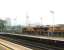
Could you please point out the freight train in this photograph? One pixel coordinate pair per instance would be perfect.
(41, 30)
(35, 30)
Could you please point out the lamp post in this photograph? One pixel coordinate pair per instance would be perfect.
(27, 20)
(40, 24)
(52, 12)
(41, 20)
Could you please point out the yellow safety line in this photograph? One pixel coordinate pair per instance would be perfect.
(7, 48)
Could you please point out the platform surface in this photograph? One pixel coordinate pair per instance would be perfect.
(12, 45)
(42, 37)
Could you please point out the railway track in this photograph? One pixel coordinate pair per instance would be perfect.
(29, 43)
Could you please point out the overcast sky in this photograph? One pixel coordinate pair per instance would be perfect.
(17, 10)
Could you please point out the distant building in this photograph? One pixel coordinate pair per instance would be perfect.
(8, 21)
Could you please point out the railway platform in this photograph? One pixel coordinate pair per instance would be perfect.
(42, 37)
